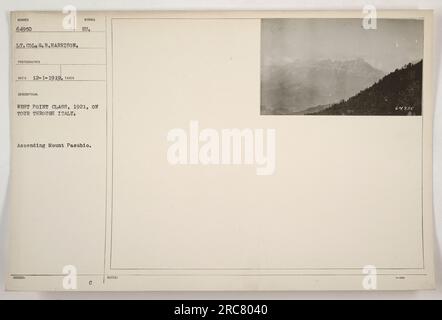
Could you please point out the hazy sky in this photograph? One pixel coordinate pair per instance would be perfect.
(393, 44)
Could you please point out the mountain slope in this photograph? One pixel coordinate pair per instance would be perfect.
(298, 85)
(398, 93)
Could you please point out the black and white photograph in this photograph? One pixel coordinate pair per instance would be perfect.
(338, 67)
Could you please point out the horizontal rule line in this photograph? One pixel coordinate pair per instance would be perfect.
(221, 275)
(60, 48)
(48, 31)
(60, 80)
(60, 64)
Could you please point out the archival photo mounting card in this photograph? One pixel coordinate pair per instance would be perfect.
(221, 151)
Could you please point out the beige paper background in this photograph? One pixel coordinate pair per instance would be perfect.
(249, 226)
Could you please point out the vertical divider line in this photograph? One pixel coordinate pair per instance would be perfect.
(106, 158)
